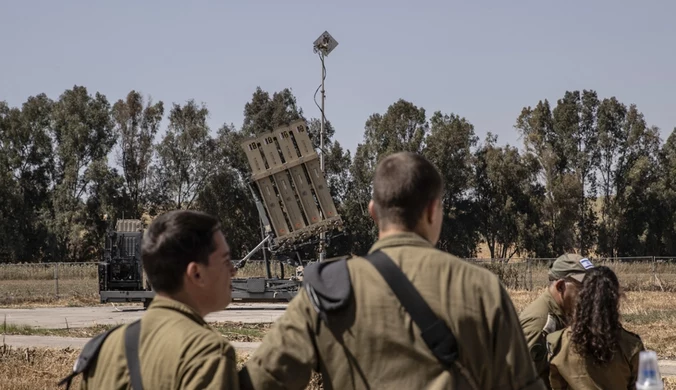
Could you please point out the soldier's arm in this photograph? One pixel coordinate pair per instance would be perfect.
(512, 365)
(210, 367)
(287, 357)
(535, 341)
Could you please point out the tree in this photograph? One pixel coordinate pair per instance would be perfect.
(612, 149)
(185, 156)
(228, 196)
(135, 129)
(448, 146)
(360, 231)
(83, 131)
(667, 188)
(560, 210)
(637, 179)
(403, 127)
(505, 186)
(263, 114)
(629, 170)
(577, 142)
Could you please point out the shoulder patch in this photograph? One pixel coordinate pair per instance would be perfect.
(551, 325)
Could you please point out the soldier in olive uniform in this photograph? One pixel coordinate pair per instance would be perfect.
(595, 351)
(552, 309)
(361, 337)
(187, 261)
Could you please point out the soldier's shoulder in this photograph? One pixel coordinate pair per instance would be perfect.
(630, 344)
(536, 310)
(632, 341)
(203, 341)
(629, 335)
(474, 270)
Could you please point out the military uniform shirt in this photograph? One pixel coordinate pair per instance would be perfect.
(177, 350)
(569, 370)
(542, 317)
(374, 344)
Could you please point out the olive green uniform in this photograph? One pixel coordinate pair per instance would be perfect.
(373, 342)
(542, 317)
(177, 350)
(570, 371)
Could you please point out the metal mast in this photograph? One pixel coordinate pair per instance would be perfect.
(323, 46)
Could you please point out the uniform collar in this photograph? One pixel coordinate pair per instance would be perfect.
(400, 239)
(160, 302)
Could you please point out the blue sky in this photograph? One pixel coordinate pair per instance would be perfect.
(481, 60)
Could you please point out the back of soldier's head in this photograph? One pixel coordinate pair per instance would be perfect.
(404, 185)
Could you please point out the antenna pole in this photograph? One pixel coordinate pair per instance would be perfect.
(322, 235)
(323, 45)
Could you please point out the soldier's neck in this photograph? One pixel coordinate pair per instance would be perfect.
(391, 230)
(185, 299)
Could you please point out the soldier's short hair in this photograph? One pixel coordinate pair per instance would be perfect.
(174, 240)
(404, 184)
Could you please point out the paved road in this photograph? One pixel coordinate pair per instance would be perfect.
(667, 367)
(79, 317)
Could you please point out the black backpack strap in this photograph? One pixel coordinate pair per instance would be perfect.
(88, 354)
(438, 337)
(131, 342)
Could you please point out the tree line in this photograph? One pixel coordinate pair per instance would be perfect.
(591, 176)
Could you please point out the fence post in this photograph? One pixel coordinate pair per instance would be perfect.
(56, 278)
(530, 274)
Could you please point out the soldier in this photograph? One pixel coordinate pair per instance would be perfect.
(552, 309)
(595, 351)
(187, 261)
(351, 324)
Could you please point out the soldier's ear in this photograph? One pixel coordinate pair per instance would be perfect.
(372, 211)
(193, 273)
(432, 210)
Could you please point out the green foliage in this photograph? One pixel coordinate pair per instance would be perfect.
(135, 128)
(593, 177)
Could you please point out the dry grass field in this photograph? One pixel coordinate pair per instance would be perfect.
(32, 285)
(35, 284)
